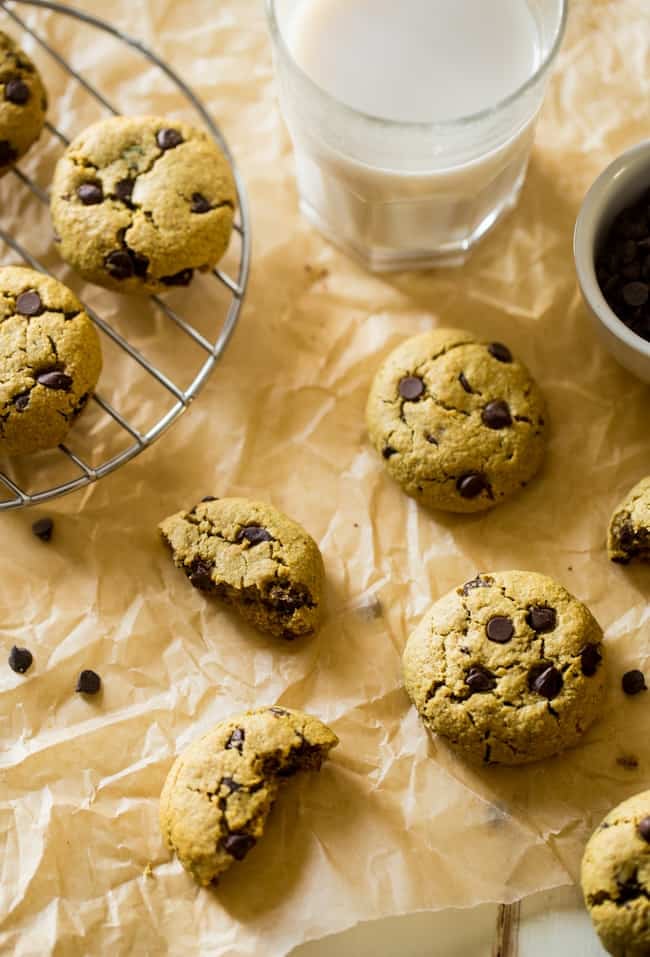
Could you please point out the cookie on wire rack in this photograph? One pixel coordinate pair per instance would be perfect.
(23, 103)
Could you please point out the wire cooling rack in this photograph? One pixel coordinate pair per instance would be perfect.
(139, 439)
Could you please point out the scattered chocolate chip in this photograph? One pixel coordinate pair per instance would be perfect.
(542, 619)
(465, 384)
(200, 204)
(17, 92)
(29, 303)
(21, 401)
(500, 352)
(209, 498)
(124, 189)
(88, 682)
(43, 529)
(20, 660)
(633, 682)
(119, 264)
(471, 484)
(200, 575)
(236, 740)
(7, 153)
(644, 825)
(254, 534)
(411, 388)
(388, 452)
(90, 194)
(500, 629)
(168, 138)
(480, 680)
(182, 278)
(496, 415)
(238, 845)
(590, 658)
(54, 379)
(477, 582)
(545, 680)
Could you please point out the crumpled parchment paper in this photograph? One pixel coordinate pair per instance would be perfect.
(393, 823)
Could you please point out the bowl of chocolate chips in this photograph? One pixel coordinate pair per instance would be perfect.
(612, 253)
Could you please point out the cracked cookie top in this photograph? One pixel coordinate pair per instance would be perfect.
(616, 878)
(219, 792)
(508, 668)
(459, 423)
(253, 556)
(629, 527)
(140, 202)
(50, 360)
(23, 103)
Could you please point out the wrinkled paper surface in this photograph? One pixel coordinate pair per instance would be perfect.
(393, 823)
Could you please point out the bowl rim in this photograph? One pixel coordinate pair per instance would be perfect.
(594, 206)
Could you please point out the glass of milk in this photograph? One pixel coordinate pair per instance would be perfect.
(412, 120)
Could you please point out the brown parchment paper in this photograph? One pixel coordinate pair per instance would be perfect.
(393, 823)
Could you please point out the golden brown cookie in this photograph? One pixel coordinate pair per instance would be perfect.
(23, 103)
(628, 536)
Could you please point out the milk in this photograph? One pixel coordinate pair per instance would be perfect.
(412, 120)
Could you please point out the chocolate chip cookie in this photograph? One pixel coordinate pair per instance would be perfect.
(616, 878)
(23, 103)
(218, 794)
(50, 360)
(508, 668)
(629, 528)
(252, 556)
(141, 202)
(459, 423)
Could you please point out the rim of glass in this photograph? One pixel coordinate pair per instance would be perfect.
(422, 125)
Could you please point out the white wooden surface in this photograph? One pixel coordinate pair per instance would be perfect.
(553, 923)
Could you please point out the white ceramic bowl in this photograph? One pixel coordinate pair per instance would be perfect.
(620, 185)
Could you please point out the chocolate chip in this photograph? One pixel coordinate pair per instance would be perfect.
(465, 384)
(411, 387)
(471, 484)
(7, 153)
(182, 278)
(168, 138)
(119, 264)
(231, 784)
(254, 534)
(500, 352)
(590, 658)
(635, 293)
(388, 452)
(200, 575)
(29, 304)
(21, 401)
(124, 189)
(209, 498)
(90, 194)
(477, 582)
(200, 204)
(43, 529)
(140, 263)
(480, 680)
(236, 740)
(88, 682)
(54, 379)
(542, 619)
(279, 711)
(500, 629)
(629, 889)
(644, 825)
(545, 680)
(238, 845)
(431, 439)
(633, 682)
(496, 415)
(20, 660)
(17, 92)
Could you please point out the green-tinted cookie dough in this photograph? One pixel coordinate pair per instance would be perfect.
(23, 103)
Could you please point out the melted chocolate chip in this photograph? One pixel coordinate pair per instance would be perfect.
(43, 529)
(254, 534)
(200, 204)
(124, 189)
(17, 92)
(55, 379)
(168, 138)
(182, 278)
(21, 401)
(471, 484)
(411, 388)
(496, 415)
(7, 153)
(140, 263)
(500, 352)
(90, 194)
(590, 658)
(500, 629)
(480, 680)
(238, 845)
(200, 575)
(465, 384)
(29, 304)
(236, 740)
(633, 682)
(542, 619)
(20, 660)
(388, 452)
(119, 264)
(644, 826)
(88, 682)
(545, 680)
